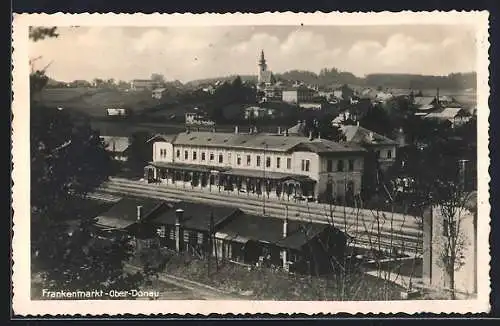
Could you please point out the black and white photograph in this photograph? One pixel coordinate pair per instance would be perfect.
(326, 161)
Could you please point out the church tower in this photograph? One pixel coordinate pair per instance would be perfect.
(262, 66)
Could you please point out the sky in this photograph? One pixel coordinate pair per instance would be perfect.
(189, 53)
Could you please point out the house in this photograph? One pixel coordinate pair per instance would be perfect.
(186, 226)
(158, 93)
(384, 147)
(298, 246)
(437, 232)
(255, 112)
(454, 116)
(277, 165)
(311, 105)
(117, 147)
(142, 84)
(198, 119)
(298, 94)
(117, 112)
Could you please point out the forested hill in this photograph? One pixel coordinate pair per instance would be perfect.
(333, 77)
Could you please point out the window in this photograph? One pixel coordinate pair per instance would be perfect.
(161, 231)
(238, 160)
(200, 238)
(229, 158)
(178, 153)
(268, 162)
(211, 156)
(340, 165)
(194, 155)
(203, 156)
(288, 163)
(351, 165)
(389, 154)
(186, 155)
(307, 165)
(303, 165)
(278, 162)
(186, 236)
(377, 154)
(249, 160)
(258, 160)
(221, 158)
(329, 166)
(172, 234)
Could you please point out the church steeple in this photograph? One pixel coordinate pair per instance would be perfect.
(262, 61)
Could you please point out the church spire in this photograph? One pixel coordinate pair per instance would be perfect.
(262, 61)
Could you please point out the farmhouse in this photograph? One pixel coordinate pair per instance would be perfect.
(277, 165)
(117, 146)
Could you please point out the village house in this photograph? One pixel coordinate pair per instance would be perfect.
(436, 231)
(117, 112)
(198, 118)
(256, 112)
(297, 246)
(142, 84)
(257, 164)
(117, 147)
(453, 116)
(158, 93)
(384, 147)
(298, 94)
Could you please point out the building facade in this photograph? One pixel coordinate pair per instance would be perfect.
(278, 166)
(142, 84)
(298, 95)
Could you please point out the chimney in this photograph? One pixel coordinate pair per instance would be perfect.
(357, 123)
(285, 227)
(178, 220)
(250, 130)
(255, 130)
(319, 135)
(236, 129)
(279, 130)
(371, 135)
(139, 213)
(310, 135)
(286, 132)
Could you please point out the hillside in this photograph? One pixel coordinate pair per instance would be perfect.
(94, 101)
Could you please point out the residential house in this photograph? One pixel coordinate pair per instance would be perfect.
(437, 232)
(142, 84)
(298, 94)
(454, 116)
(158, 93)
(297, 246)
(255, 112)
(117, 147)
(311, 105)
(384, 147)
(277, 165)
(198, 118)
(117, 112)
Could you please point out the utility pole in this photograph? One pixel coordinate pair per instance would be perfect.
(212, 235)
(265, 183)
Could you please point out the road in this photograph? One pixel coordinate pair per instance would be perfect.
(368, 228)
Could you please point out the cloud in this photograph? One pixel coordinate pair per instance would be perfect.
(188, 53)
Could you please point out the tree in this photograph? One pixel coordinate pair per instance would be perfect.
(323, 128)
(158, 79)
(68, 160)
(377, 120)
(139, 152)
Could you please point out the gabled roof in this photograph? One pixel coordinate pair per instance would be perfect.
(269, 229)
(162, 137)
(360, 135)
(447, 113)
(196, 215)
(124, 213)
(323, 146)
(116, 144)
(423, 100)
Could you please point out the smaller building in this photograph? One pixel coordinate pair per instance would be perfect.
(454, 116)
(120, 112)
(198, 119)
(384, 147)
(298, 94)
(158, 93)
(142, 84)
(298, 246)
(255, 112)
(311, 105)
(117, 147)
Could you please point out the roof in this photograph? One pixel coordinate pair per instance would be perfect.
(298, 129)
(124, 213)
(423, 100)
(159, 90)
(196, 215)
(447, 113)
(162, 137)
(116, 144)
(260, 141)
(245, 227)
(361, 135)
(189, 167)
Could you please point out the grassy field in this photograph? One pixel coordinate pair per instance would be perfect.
(94, 102)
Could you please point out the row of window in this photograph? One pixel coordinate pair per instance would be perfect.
(161, 231)
(220, 159)
(340, 165)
